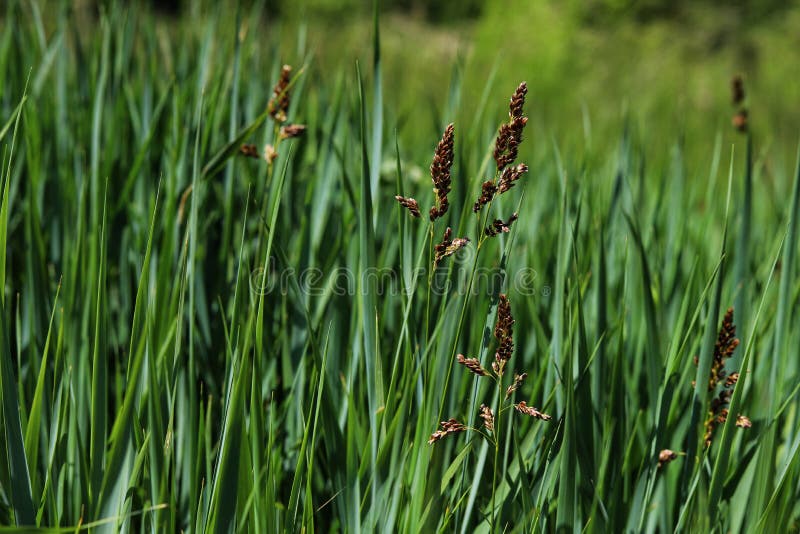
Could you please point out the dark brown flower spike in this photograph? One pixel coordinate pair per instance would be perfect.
(488, 189)
(522, 407)
(440, 173)
(410, 204)
(472, 364)
(487, 414)
(448, 246)
(292, 130)
(250, 151)
(279, 103)
(509, 176)
(723, 349)
(510, 134)
(498, 226)
(518, 101)
(504, 333)
(518, 380)
(450, 426)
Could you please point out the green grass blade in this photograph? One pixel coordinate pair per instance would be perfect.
(367, 303)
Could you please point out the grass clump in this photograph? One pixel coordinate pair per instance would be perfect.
(216, 317)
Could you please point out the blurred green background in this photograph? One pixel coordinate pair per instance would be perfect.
(666, 62)
(591, 64)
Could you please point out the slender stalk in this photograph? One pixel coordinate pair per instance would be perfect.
(431, 271)
(483, 219)
(496, 450)
(460, 327)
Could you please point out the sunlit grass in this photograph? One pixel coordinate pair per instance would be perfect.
(193, 339)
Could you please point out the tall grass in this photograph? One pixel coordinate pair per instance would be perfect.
(195, 340)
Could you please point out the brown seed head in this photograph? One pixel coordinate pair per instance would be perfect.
(410, 204)
(279, 103)
(249, 150)
(518, 380)
(522, 407)
(488, 189)
(292, 130)
(498, 365)
(499, 226)
(509, 176)
(472, 364)
(518, 101)
(510, 134)
(440, 173)
(451, 426)
(723, 349)
(506, 147)
(665, 457)
(743, 421)
(504, 333)
(448, 246)
(487, 414)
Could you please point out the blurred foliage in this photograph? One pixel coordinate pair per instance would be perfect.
(673, 72)
(442, 11)
(648, 10)
(591, 64)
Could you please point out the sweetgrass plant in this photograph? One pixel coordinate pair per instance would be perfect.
(216, 317)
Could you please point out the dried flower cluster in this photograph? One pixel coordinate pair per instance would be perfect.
(509, 176)
(499, 226)
(742, 421)
(510, 135)
(292, 130)
(488, 190)
(278, 105)
(505, 153)
(487, 414)
(738, 99)
(522, 407)
(518, 380)
(506, 149)
(665, 457)
(504, 333)
(249, 151)
(451, 426)
(506, 175)
(473, 365)
(440, 173)
(410, 204)
(448, 246)
(719, 379)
